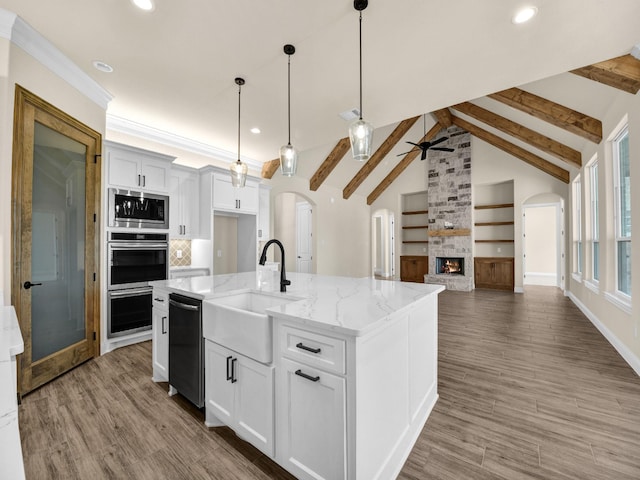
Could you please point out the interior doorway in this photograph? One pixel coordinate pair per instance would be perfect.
(382, 244)
(543, 244)
(55, 239)
(293, 224)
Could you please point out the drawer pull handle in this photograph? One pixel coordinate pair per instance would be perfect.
(159, 300)
(308, 377)
(229, 375)
(233, 370)
(164, 330)
(302, 346)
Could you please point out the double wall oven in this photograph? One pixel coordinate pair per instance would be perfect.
(135, 257)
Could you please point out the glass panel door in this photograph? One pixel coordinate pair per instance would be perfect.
(57, 249)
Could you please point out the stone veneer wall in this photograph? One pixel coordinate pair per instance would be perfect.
(449, 198)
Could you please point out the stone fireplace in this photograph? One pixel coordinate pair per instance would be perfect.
(451, 213)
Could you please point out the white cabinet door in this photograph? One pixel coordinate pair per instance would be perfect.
(239, 393)
(264, 212)
(224, 193)
(160, 344)
(254, 415)
(155, 174)
(218, 389)
(248, 197)
(184, 208)
(190, 205)
(123, 169)
(312, 428)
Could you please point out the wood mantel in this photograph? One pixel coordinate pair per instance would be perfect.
(451, 232)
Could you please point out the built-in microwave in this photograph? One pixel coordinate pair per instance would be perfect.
(131, 209)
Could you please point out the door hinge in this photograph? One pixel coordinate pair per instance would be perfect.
(94, 218)
(94, 276)
(95, 157)
(94, 335)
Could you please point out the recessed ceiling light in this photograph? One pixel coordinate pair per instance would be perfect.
(146, 5)
(255, 130)
(103, 67)
(524, 15)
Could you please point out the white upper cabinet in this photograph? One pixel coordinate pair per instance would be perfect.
(264, 212)
(184, 205)
(134, 168)
(227, 197)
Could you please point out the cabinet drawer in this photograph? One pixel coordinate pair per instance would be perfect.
(313, 349)
(161, 299)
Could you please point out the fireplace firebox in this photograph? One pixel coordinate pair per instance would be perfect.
(449, 265)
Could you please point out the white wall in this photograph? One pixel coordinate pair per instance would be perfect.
(16, 66)
(621, 327)
(540, 245)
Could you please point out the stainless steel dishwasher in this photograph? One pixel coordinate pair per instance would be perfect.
(186, 352)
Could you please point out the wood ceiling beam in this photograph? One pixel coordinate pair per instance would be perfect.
(270, 167)
(391, 141)
(510, 148)
(329, 163)
(404, 163)
(533, 138)
(551, 112)
(622, 73)
(443, 117)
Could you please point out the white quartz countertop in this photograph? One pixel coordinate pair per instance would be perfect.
(353, 306)
(11, 344)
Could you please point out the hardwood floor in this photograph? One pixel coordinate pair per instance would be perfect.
(529, 389)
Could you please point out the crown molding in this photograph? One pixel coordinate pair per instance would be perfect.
(145, 132)
(21, 34)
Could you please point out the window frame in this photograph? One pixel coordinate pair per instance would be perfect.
(618, 214)
(577, 228)
(594, 213)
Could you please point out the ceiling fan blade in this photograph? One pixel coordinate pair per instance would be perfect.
(439, 140)
(424, 154)
(416, 144)
(400, 154)
(443, 149)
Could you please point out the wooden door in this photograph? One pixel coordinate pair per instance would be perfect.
(55, 239)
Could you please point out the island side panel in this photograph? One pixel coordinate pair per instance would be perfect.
(396, 389)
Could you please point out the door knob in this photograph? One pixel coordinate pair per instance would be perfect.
(27, 285)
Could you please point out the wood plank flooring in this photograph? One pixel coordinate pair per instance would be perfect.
(529, 389)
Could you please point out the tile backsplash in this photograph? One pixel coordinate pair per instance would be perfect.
(182, 246)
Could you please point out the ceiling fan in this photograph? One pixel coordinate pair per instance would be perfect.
(424, 146)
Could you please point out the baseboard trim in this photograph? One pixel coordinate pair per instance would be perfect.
(621, 348)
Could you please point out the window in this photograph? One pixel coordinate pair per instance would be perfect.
(577, 226)
(622, 189)
(595, 222)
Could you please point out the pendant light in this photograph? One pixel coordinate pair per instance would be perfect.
(288, 154)
(361, 132)
(238, 169)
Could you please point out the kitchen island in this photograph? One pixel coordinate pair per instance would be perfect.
(347, 383)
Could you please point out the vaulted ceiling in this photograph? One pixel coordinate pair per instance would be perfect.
(456, 61)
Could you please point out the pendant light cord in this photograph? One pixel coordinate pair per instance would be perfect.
(360, 64)
(289, 97)
(239, 90)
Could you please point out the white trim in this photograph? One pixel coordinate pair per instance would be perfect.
(28, 39)
(592, 285)
(145, 132)
(518, 289)
(577, 277)
(541, 278)
(619, 301)
(623, 350)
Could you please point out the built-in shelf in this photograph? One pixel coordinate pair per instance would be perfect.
(494, 241)
(415, 212)
(492, 224)
(410, 227)
(451, 232)
(495, 205)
